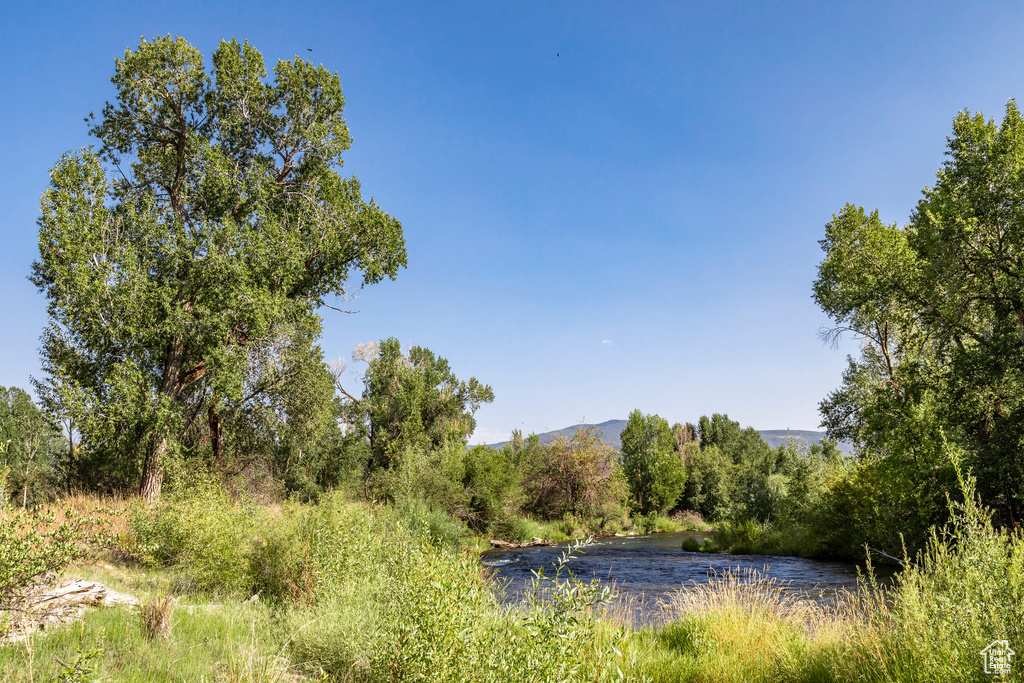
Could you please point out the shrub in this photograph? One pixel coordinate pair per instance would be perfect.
(34, 543)
(688, 520)
(202, 533)
(741, 537)
(424, 521)
(646, 524)
(710, 546)
(691, 545)
(515, 529)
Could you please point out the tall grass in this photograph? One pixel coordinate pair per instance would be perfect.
(743, 626)
(963, 592)
(390, 604)
(350, 592)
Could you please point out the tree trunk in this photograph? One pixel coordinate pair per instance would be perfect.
(216, 435)
(152, 469)
(72, 471)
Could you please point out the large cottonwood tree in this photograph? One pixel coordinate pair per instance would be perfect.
(939, 306)
(210, 221)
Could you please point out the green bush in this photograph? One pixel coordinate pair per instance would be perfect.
(515, 529)
(424, 521)
(691, 545)
(710, 546)
(742, 536)
(202, 533)
(34, 542)
(646, 524)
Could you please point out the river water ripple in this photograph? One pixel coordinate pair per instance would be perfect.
(648, 569)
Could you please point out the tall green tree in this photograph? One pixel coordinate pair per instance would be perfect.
(211, 220)
(742, 445)
(32, 453)
(413, 401)
(653, 468)
(939, 304)
(711, 484)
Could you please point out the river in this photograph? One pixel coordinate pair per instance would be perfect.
(648, 568)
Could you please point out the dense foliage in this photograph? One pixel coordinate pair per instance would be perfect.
(184, 260)
(34, 459)
(939, 306)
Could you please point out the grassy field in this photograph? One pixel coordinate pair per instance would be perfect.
(353, 592)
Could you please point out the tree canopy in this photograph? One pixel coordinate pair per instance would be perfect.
(652, 467)
(412, 401)
(184, 259)
(939, 305)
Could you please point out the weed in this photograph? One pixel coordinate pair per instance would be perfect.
(156, 616)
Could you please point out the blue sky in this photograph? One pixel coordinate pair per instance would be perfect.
(607, 206)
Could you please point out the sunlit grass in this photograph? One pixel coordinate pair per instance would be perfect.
(354, 592)
(202, 645)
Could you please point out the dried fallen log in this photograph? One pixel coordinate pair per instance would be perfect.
(44, 606)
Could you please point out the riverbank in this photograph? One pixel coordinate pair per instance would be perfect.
(355, 592)
(646, 571)
(569, 528)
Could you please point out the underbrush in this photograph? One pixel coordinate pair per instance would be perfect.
(353, 592)
(392, 604)
(750, 537)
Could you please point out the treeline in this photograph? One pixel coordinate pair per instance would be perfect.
(403, 439)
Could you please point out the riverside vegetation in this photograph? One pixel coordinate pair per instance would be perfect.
(361, 592)
(278, 526)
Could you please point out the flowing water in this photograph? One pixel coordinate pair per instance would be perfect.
(648, 568)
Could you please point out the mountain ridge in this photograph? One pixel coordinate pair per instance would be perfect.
(609, 432)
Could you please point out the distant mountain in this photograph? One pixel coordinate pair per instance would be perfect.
(777, 437)
(609, 432)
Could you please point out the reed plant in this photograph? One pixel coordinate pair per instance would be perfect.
(156, 616)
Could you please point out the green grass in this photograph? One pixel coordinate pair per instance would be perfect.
(206, 644)
(353, 592)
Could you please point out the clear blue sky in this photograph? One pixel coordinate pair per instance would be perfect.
(607, 206)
